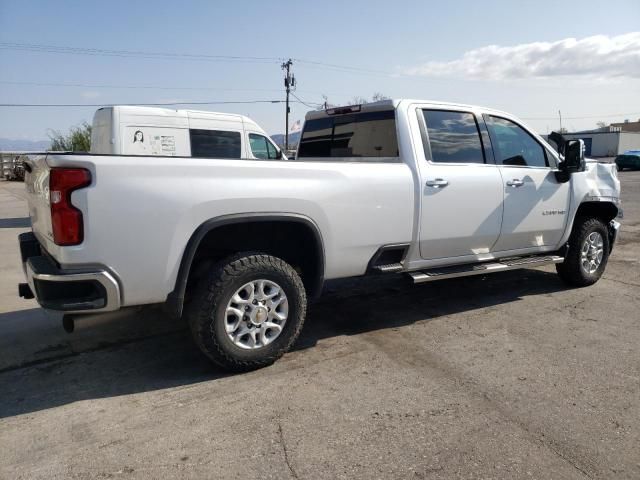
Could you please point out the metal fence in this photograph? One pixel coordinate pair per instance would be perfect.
(12, 165)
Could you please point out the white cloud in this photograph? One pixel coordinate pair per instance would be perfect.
(597, 57)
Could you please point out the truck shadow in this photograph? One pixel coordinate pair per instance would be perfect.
(160, 354)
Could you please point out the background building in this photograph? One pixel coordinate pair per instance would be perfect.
(609, 141)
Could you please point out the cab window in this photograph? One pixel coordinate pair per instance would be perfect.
(214, 144)
(513, 145)
(453, 137)
(262, 148)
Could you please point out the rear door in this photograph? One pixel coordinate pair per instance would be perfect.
(535, 203)
(461, 207)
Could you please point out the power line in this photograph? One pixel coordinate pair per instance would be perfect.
(131, 53)
(156, 87)
(135, 87)
(240, 102)
(56, 49)
(584, 117)
(346, 68)
(305, 103)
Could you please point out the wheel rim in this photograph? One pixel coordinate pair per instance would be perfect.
(256, 314)
(592, 252)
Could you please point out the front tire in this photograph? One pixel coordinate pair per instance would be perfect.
(588, 253)
(248, 312)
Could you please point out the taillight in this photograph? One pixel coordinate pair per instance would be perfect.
(66, 220)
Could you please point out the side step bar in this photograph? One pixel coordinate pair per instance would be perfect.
(483, 268)
(389, 268)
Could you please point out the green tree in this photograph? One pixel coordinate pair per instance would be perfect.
(77, 140)
(376, 97)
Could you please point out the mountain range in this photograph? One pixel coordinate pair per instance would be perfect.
(278, 138)
(13, 145)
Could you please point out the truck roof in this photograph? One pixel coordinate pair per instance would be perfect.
(389, 104)
(134, 110)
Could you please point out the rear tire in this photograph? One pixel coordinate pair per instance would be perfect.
(588, 253)
(248, 312)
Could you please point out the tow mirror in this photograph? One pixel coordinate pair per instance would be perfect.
(573, 156)
(573, 153)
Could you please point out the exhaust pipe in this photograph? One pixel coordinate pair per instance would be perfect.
(24, 291)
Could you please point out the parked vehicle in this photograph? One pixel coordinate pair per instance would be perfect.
(237, 246)
(629, 159)
(129, 130)
(11, 166)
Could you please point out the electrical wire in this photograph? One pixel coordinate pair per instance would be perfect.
(345, 68)
(584, 117)
(136, 87)
(42, 48)
(160, 104)
(316, 105)
(155, 87)
(132, 53)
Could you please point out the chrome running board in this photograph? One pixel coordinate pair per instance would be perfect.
(482, 268)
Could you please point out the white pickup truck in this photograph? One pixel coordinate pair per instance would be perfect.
(237, 245)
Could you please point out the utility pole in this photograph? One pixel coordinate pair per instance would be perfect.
(560, 115)
(289, 81)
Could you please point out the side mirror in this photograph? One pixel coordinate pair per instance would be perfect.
(573, 156)
(278, 154)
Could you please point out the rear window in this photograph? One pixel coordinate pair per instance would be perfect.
(215, 144)
(368, 136)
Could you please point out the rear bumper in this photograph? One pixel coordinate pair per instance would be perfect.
(69, 291)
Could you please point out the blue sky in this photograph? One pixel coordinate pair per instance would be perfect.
(431, 50)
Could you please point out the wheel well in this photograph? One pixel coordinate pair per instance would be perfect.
(293, 239)
(606, 211)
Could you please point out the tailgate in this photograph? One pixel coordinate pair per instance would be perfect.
(36, 180)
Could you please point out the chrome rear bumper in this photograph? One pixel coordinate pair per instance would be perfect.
(70, 291)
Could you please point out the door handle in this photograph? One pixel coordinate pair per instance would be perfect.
(437, 183)
(515, 183)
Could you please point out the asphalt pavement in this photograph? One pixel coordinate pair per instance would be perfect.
(511, 375)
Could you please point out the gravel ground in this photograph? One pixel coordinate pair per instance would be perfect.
(512, 375)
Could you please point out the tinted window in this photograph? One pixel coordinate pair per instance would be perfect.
(453, 136)
(273, 151)
(215, 144)
(514, 145)
(369, 135)
(261, 147)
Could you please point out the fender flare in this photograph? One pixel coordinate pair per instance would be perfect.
(588, 201)
(175, 299)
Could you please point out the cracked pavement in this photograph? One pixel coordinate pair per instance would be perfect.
(511, 375)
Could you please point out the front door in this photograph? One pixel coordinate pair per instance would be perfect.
(535, 203)
(461, 187)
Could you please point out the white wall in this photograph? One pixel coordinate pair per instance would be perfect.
(629, 141)
(602, 144)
